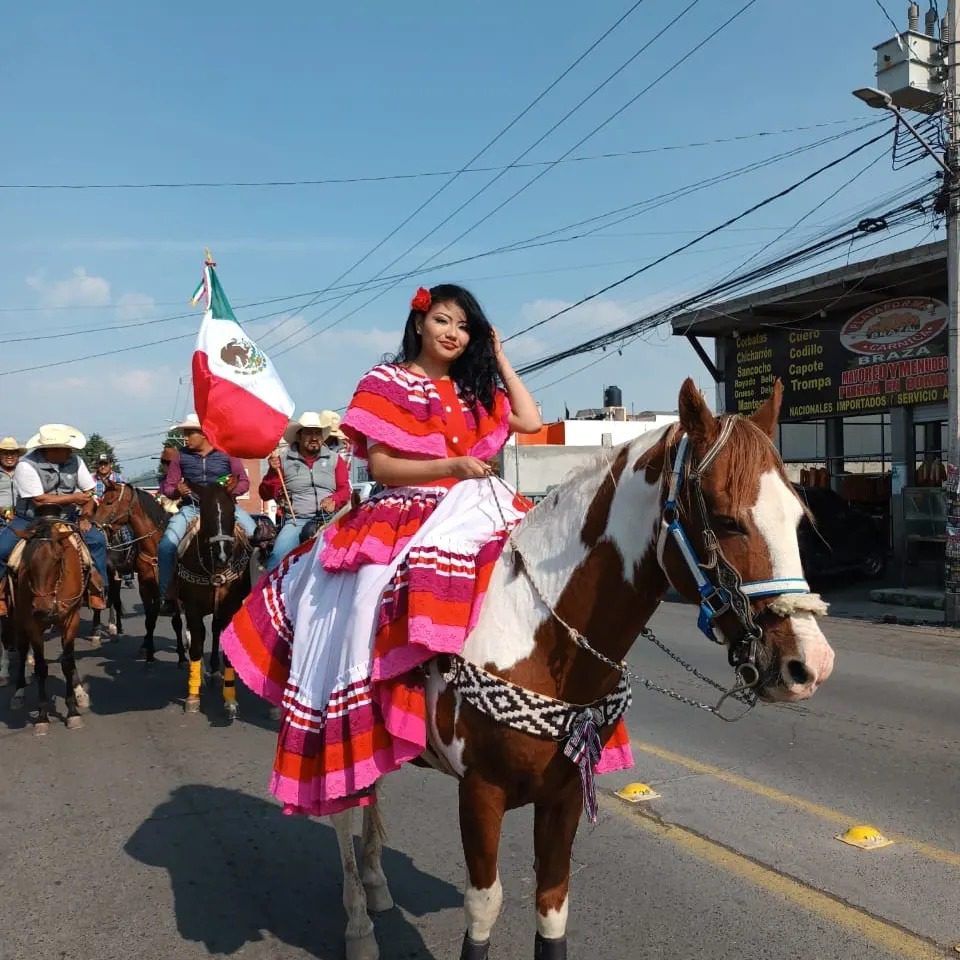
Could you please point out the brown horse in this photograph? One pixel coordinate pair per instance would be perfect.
(124, 505)
(521, 717)
(51, 583)
(213, 577)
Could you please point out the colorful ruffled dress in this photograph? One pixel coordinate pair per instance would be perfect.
(336, 633)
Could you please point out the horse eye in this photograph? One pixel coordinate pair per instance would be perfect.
(730, 524)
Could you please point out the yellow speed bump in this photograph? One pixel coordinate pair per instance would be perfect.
(865, 837)
(637, 793)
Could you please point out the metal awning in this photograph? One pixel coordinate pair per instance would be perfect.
(916, 271)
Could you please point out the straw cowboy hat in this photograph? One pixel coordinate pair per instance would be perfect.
(325, 420)
(52, 435)
(191, 422)
(10, 445)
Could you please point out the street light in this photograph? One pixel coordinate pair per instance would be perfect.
(879, 100)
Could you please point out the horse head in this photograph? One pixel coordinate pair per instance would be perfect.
(728, 542)
(116, 507)
(215, 538)
(53, 583)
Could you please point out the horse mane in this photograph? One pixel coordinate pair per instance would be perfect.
(156, 514)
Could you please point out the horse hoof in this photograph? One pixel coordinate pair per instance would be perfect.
(83, 698)
(17, 700)
(230, 711)
(544, 949)
(191, 705)
(363, 948)
(379, 899)
(95, 640)
(41, 729)
(474, 949)
(74, 723)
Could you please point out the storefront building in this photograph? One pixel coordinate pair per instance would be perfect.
(862, 354)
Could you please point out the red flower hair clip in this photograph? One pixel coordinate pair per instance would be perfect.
(422, 300)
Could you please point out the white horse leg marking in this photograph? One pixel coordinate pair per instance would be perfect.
(374, 879)
(16, 701)
(361, 942)
(83, 698)
(482, 908)
(553, 926)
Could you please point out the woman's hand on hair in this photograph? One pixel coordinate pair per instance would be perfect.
(497, 345)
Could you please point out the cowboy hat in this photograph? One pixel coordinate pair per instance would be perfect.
(326, 420)
(10, 445)
(190, 422)
(52, 435)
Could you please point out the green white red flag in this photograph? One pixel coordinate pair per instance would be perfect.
(240, 399)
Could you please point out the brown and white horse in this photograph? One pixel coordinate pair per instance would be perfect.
(704, 506)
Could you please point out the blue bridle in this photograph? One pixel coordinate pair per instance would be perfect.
(728, 592)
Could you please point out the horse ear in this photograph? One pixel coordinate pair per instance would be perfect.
(695, 415)
(767, 415)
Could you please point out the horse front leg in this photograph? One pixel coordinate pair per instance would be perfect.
(361, 942)
(76, 696)
(195, 673)
(177, 623)
(115, 628)
(554, 829)
(150, 599)
(6, 645)
(482, 806)
(20, 690)
(374, 879)
(41, 671)
(229, 681)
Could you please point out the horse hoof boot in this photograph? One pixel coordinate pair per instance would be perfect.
(379, 899)
(74, 723)
(191, 705)
(17, 700)
(41, 729)
(544, 949)
(363, 948)
(83, 698)
(474, 949)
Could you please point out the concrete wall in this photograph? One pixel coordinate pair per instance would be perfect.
(543, 467)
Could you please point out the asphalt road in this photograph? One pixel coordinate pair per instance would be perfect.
(150, 834)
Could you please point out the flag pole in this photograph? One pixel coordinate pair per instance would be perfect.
(283, 485)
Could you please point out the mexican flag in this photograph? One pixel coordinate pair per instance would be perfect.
(242, 404)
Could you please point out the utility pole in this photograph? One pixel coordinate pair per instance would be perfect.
(949, 37)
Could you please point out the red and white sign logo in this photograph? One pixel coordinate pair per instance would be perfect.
(894, 325)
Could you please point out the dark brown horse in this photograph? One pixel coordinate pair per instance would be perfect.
(125, 506)
(521, 717)
(213, 577)
(51, 583)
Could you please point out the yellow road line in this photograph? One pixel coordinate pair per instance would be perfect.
(779, 796)
(887, 936)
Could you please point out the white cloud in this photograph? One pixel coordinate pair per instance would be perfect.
(140, 384)
(80, 289)
(135, 306)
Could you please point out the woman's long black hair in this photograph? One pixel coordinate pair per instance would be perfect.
(475, 371)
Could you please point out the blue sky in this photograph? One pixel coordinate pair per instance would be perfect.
(246, 91)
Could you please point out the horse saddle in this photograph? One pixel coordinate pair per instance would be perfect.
(193, 528)
(86, 560)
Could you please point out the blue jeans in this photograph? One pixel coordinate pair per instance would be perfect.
(287, 539)
(176, 528)
(94, 539)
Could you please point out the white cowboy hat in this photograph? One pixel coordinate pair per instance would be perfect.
(325, 420)
(52, 435)
(10, 445)
(190, 422)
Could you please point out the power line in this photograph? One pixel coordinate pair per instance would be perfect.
(479, 153)
(542, 173)
(424, 174)
(707, 233)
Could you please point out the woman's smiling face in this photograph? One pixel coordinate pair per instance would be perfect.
(444, 333)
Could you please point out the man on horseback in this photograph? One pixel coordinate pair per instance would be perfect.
(310, 479)
(10, 454)
(104, 474)
(198, 465)
(52, 480)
